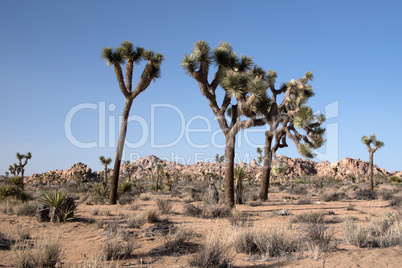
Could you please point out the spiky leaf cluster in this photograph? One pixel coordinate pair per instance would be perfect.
(372, 140)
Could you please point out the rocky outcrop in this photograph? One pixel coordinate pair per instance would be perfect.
(78, 172)
(345, 169)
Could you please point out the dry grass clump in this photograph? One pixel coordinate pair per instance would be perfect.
(177, 239)
(332, 195)
(236, 217)
(396, 201)
(151, 215)
(116, 249)
(207, 211)
(136, 220)
(164, 205)
(43, 253)
(309, 217)
(268, 242)
(317, 237)
(365, 194)
(214, 252)
(297, 189)
(304, 200)
(384, 232)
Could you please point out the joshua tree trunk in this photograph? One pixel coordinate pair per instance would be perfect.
(266, 170)
(229, 169)
(119, 151)
(371, 170)
(105, 177)
(157, 182)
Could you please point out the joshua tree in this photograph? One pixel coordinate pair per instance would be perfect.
(159, 170)
(126, 53)
(105, 162)
(286, 119)
(377, 144)
(130, 168)
(22, 164)
(220, 159)
(235, 74)
(240, 175)
(7, 174)
(260, 157)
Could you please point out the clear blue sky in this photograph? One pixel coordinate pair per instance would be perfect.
(50, 63)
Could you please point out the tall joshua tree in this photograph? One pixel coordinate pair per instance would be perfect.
(286, 119)
(377, 145)
(219, 159)
(129, 55)
(105, 162)
(234, 74)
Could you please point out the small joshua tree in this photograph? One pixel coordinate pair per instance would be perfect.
(22, 164)
(14, 169)
(260, 157)
(105, 162)
(377, 144)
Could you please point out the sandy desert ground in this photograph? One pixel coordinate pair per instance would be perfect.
(82, 239)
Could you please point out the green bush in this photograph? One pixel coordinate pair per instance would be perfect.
(395, 179)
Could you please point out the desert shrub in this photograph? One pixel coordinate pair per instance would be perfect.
(126, 198)
(177, 239)
(145, 197)
(214, 252)
(192, 211)
(164, 205)
(309, 217)
(236, 217)
(353, 187)
(124, 186)
(151, 215)
(62, 206)
(136, 220)
(5, 241)
(304, 200)
(99, 189)
(332, 196)
(275, 183)
(95, 211)
(386, 194)
(215, 211)
(17, 181)
(44, 253)
(365, 194)
(350, 207)
(133, 206)
(9, 205)
(298, 181)
(396, 201)
(317, 237)
(383, 232)
(116, 250)
(355, 234)
(395, 179)
(26, 209)
(297, 189)
(269, 242)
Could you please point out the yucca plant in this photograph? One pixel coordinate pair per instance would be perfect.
(62, 206)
